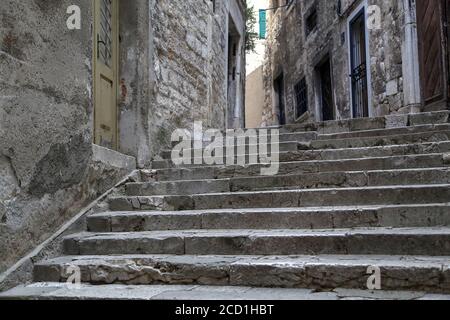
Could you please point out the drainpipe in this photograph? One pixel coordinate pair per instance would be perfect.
(410, 53)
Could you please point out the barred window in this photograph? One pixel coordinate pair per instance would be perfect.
(301, 97)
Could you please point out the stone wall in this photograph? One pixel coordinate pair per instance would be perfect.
(181, 62)
(254, 98)
(173, 70)
(295, 54)
(48, 169)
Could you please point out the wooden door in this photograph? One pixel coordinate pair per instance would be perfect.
(433, 58)
(106, 42)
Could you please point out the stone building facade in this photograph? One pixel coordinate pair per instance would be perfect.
(254, 98)
(171, 63)
(331, 60)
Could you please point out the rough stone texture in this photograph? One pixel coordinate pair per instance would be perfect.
(189, 56)
(399, 272)
(433, 241)
(291, 51)
(31, 218)
(45, 109)
(301, 166)
(318, 224)
(173, 70)
(272, 218)
(293, 181)
(57, 291)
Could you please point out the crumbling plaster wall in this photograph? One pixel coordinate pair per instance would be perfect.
(290, 51)
(47, 169)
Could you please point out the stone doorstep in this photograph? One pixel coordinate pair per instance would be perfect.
(387, 195)
(298, 167)
(358, 241)
(339, 154)
(293, 181)
(431, 215)
(58, 291)
(327, 272)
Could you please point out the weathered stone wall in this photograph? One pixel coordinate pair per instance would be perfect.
(290, 51)
(181, 65)
(173, 70)
(48, 169)
(136, 79)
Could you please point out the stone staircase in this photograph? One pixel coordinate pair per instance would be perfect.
(349, 195)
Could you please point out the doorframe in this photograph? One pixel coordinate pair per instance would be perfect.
(276, 97)
(446, 26)
(318, 87)
(116, 50)
(362, 6)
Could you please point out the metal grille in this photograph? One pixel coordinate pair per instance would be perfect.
(359, 71)
(359, 84)
(301, 97)
(105, 40)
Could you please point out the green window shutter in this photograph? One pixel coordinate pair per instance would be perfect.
(262, 24)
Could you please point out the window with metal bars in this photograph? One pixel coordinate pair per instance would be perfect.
(301, 97)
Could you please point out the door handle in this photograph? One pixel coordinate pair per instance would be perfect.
(99, 41)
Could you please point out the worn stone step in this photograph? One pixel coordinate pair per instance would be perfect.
(430, 215)
(60, 291)
(281, 147)
(298, 167)
(358, 241)
(346, 140)
(340, 154)
(283, 137)
(362, 124)
(335, 126)
(415, 194)
(287, 139)
(294, 181)
(386, 132)
(435, 136)
(324, 272)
